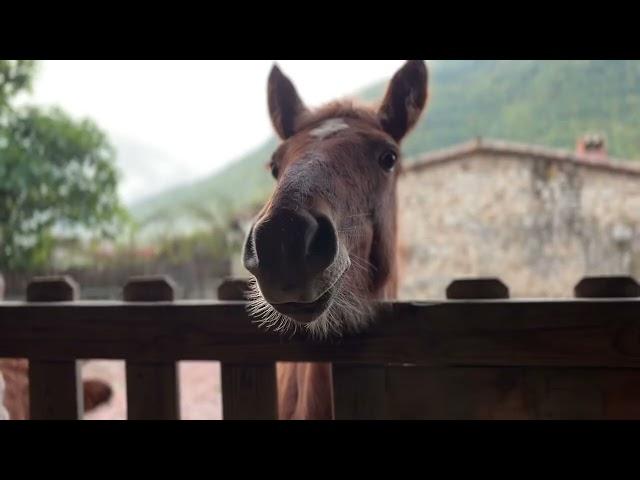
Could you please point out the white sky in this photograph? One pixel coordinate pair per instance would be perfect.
(198, 115)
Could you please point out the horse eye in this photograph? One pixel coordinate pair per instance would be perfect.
(388, 160)
(275, 171)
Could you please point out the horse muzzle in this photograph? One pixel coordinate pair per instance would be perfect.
(297, 260)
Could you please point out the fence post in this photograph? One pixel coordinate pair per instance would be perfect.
(359, 391)
(249, 392)
(607, 287)
(454, 392)
(477, 289)
(581, 393)
(152, 387)
(55, 386)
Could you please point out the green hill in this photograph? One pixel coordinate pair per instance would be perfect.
(243, 183)
(541, 102)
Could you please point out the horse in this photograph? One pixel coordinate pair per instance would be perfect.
(323, 249)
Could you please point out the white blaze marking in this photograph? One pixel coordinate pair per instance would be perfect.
(329, 127)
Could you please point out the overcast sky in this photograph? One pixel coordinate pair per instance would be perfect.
(198, 114)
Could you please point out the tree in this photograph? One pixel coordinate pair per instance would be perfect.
(57, 175)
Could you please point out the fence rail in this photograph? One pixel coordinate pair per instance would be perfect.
(485, 349)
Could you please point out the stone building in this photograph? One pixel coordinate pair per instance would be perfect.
(538, 218)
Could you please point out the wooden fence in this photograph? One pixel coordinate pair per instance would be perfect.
(476, 355)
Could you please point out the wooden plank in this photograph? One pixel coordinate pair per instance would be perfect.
(249, 392)
(620, 393)
(508, 393)
(607, 287)
(359, 392)
(477, 288)
(571, 333)
(150, 288)
(564, 394)
(579, 394)
(455, 393)
(55, 390)
(458, 393)
(583, 394)
(152, 387)
(152, 391)
(55, 385)
(53, 289)
(519, 393)
(233, 289)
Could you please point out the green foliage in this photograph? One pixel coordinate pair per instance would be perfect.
(540, 102)
(548, 103)
(216, 238)
(198, 245)
(56, 175)
(15, 76)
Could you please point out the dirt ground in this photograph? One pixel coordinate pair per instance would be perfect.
(200, 397)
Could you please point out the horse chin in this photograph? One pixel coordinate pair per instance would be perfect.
(333, 314)
(304, 313)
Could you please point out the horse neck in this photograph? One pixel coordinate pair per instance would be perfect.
(390, 289)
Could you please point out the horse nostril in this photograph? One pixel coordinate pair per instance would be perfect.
(288, 251)
(323, 247)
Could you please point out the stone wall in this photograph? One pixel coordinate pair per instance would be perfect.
(537, 223)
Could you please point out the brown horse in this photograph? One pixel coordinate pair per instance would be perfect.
(323, 248)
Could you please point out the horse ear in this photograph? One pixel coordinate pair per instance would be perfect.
(405, 99)
(285, 105)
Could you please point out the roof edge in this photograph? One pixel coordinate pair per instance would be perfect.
(501, 147)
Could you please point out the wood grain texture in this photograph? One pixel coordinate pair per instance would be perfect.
(359, 392)
(249, 392)
(607, 287)
(456, 359)
(153, 391)
(512, 393)
(477, 288)
(55, 385)
(578, 333)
